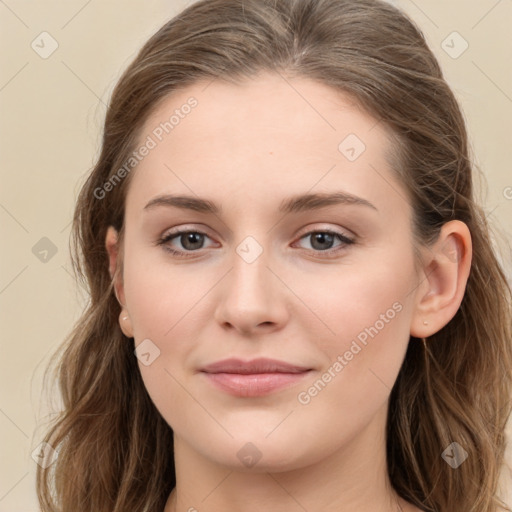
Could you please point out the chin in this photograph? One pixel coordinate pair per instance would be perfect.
(257, 454)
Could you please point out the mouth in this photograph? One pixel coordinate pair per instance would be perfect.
(257, 377)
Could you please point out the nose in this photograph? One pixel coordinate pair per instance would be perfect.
(252, 298)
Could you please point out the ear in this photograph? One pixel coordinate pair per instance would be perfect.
(445, 271)
(113, 251)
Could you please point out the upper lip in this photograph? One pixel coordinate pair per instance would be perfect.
(260, 365)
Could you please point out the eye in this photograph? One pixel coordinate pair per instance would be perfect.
(189, 240)
(322, 241)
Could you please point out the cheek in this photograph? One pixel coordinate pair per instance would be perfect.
(161, 296)
(361, 297)
(166, 306)
(370, 318)
(367, 310)
(161, 302)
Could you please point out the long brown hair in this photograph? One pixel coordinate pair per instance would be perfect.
(115, 449)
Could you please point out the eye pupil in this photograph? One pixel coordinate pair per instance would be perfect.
(191, 238)
(322, 238)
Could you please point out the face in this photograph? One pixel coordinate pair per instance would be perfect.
(264, 269)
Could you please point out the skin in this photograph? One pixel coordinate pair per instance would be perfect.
(247, 148)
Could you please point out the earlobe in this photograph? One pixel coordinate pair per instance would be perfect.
(125, 323)
(445, 274)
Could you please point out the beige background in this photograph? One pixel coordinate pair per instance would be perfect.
(52, 111)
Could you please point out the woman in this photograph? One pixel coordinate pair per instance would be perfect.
(295, 304)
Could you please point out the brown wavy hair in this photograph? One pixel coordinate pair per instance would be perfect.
(115, 449)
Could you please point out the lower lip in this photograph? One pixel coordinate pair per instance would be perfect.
(254, 384)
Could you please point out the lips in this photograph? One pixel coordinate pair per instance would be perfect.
(261, 365)
(253, 378)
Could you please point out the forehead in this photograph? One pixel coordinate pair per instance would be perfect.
(267, 136)
(261, 107)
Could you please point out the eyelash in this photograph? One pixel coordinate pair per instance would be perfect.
(188, 254)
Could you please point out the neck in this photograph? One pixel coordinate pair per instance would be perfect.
(353, 477)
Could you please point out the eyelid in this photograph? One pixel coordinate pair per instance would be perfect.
(175, 233)
(327, 229)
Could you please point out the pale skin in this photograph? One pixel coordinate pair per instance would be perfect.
(247, 148)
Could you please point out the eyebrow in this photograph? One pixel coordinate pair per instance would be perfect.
(295, 204)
